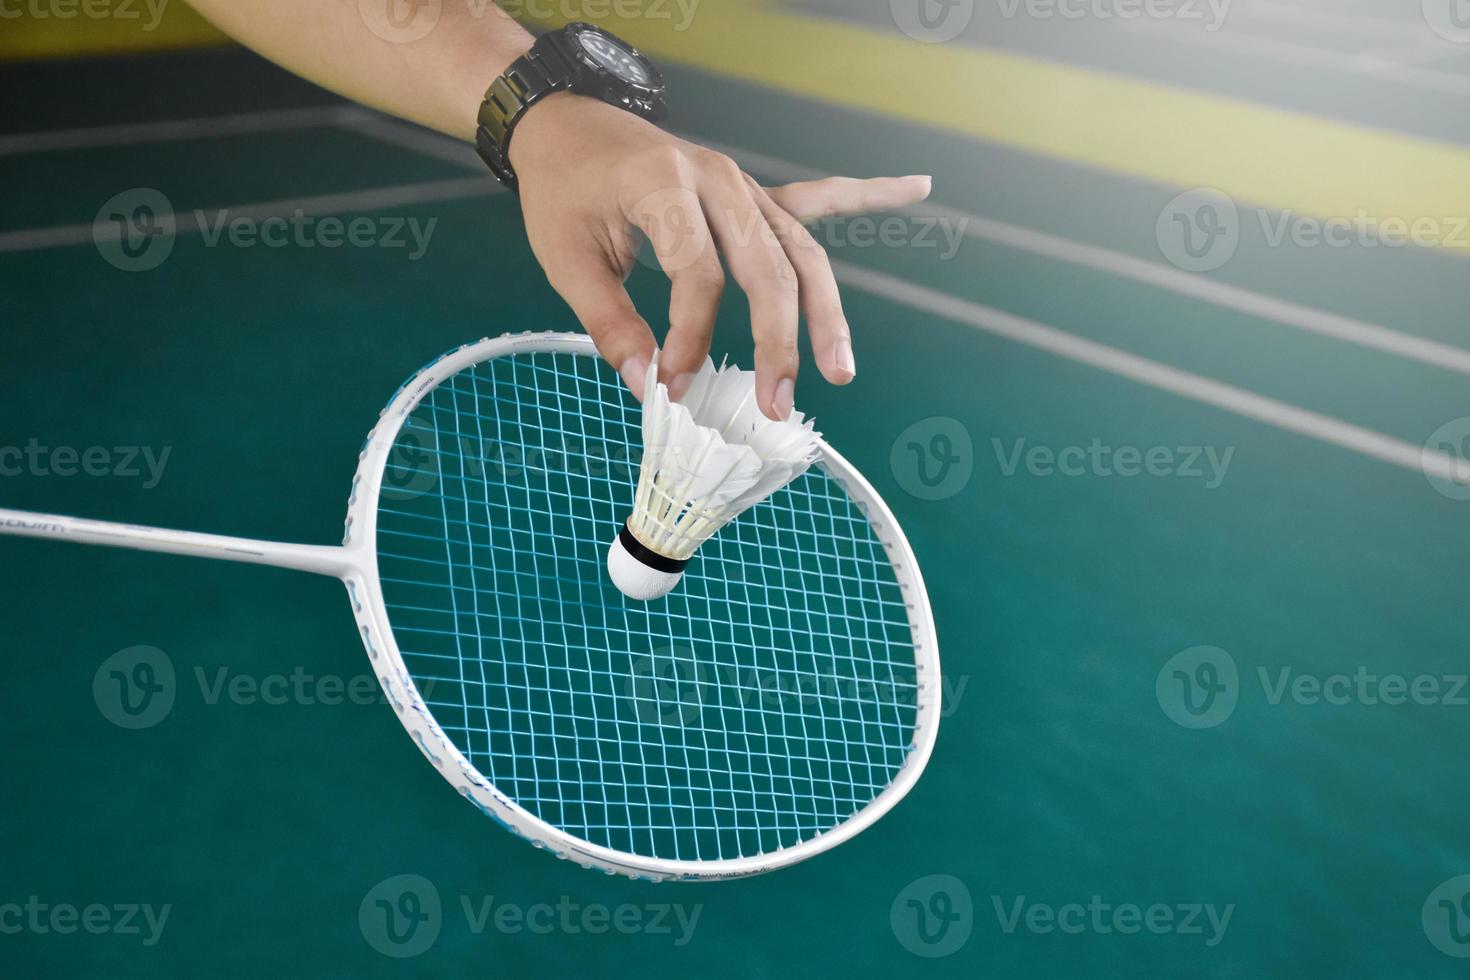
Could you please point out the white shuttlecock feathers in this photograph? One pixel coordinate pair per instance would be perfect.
(707, 459)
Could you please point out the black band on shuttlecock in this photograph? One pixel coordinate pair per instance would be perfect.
(648, 556)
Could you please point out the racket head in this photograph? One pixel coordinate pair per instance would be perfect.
(564, 707)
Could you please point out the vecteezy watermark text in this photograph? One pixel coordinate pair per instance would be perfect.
(40, 918)
(136, 688)
(1200, 230)
(674, 222)
(302, 230)
(943, 236)
(407, 21)
(1209, 13)
(1362, 686)
(150, 12)
(1098, 459)
(403, 916)
(940, 21)
(298, 687)
(1200, 687)
(1105, 918)
(933, 917)
(124, 462)
(137, 229)
(679, 13)
(569, 917)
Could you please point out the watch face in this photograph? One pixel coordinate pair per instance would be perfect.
(616, 57)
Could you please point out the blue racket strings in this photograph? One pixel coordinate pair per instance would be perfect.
(766, 700)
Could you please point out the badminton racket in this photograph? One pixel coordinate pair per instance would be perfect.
(784, 698)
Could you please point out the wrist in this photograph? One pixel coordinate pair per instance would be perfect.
(475, 62)
(468, 55)
(554, 129)
(527, 114)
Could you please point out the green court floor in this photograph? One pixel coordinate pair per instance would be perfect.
(1104, 461)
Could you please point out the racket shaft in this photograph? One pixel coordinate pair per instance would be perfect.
(307, 558)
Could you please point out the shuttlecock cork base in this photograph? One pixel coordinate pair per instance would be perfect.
(707, 459)
(641, 573)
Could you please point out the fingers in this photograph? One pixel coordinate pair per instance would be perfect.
(753, 251)
(703, 208)
(594, 290)
(819, 298)
(838, 196)
(674, 222)
(693, 307)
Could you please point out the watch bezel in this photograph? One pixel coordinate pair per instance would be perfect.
(652, 90)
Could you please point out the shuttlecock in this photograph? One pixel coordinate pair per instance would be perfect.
(707, 458)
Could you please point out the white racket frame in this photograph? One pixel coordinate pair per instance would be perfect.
(356, 564)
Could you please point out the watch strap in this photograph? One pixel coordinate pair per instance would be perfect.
(529, 79)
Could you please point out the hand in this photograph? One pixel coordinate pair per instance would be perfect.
(594, 176)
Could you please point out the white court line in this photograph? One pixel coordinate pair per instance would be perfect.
(1328, 21)
(135, 134)
(1238, 401)
(1153, 373)
(189, 222)
(425, 142)
(428, 143)
(432, 144)
(1413, 54)
(1291, 53)
(1195, 387)
(1157, 274)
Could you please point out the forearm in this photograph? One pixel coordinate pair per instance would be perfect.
(589, 174)
(436, 80)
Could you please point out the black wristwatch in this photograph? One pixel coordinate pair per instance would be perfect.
(578, 58)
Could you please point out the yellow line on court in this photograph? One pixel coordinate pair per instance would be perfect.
(54, 30)
(1257, 154)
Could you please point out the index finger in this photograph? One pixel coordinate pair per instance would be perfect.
(759, 264)
(595, 292)
(841, 196)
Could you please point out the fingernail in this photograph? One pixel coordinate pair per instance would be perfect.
(679, 387)
(635, 373)
(843, 356)
(785, 397)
